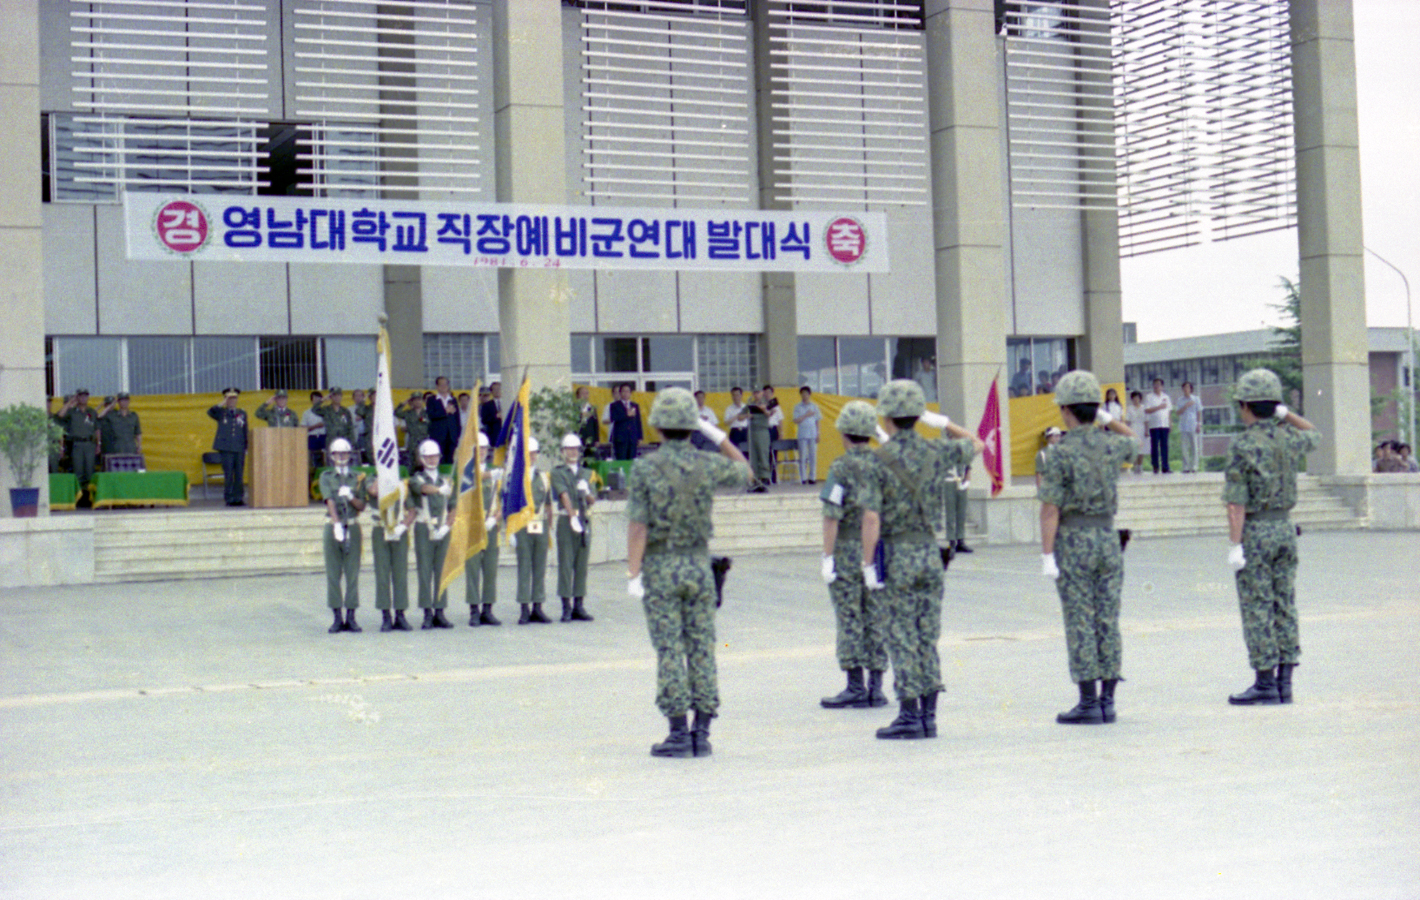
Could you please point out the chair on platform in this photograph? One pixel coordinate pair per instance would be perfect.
(210, 460)
(786, 453)
(123, 462)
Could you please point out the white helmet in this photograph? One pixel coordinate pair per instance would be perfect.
(339, 445)
(482, 439)
(430, 448)
(572, 442)
(532, 445)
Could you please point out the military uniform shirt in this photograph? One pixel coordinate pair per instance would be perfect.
(331, 481)
(416, 426)
(852, 485)
(931, 462)
(1080, 475)
(80, 423)
(231, 429)
(1262, 465)
(564, 481)
(339, 423)
(121, 432)
(277, 417)
(435, 504)
(671, 492)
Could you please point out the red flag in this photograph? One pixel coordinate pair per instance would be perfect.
(990, 433)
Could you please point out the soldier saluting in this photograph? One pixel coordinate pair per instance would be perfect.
(230, 442)
(669, 497)
(1260, 487)
(276, 413)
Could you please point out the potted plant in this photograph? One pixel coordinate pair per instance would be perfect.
(27, 436)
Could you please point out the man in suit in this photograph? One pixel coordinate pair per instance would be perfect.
(490, 411)
(625, 425)
(444, 423)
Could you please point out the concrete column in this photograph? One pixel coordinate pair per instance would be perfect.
(968, 207)
(21, 224)
(528, 115)
(1334, 354)
(779, 354)
(1101, 349)
(404, 298)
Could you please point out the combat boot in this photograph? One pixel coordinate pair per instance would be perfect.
(854, 696)
(538, 615)
(428, 620)
(1087, 711)
(350, 623)
(338, 625)
(1284, 682)
(876, 697)
(487, 618)
(386, 620)
(962, 547)
(400, 622)
(678, 743)
(579, 612)
(526, 616)
(700, 733)
(473, 619)
(1107, 698)
(908, 724)
(566, 610)
(440, 621)
(1262, 693)
(929, 714)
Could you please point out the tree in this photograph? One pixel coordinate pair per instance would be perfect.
(1286, 344)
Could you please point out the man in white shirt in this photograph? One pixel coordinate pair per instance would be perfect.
(737, 418)
(708, 415)
(1156, 409)
(1190, 426)
(806, 419)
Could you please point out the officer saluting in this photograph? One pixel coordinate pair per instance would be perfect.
(572, 496)
(81, 428)
(1260, 486)
(669, 497)
(344, 496)
(276, 413)
(230, 443)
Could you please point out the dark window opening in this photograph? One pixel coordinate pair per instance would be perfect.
(281, 142)
(290, 363)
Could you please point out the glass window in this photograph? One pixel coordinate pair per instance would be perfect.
(916, 358)
(862, 366)
(460, 357)
(818, 365)
(350, 363)
(727, 360)
(287, 363)
(494, 345)
(1018, 357)
(158, 365)
(222, 362)
(617, 354)
(581, 353)
(667, 354)
(93, 363)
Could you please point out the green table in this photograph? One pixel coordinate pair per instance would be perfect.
(63, 490)
(604, 467)
(111, 489)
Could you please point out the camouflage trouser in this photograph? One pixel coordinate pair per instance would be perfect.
(1265, 593)
(429, 566)
(532, 567)
(391, 569)
(911, 610)
(1091, 577)
(860, 622)
(572, 558)
(342, 560)
(480, 573)
(680, 614)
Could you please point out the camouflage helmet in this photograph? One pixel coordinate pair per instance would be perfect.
(1077, 386)
(901, 398)
(858, 419)
(1258, 384)
(676, 409)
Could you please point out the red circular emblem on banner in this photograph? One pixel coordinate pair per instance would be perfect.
(181, 226)
(846, 240)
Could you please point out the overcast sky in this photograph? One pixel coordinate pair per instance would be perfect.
(1227, 286)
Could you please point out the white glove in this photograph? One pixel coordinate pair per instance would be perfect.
(490, 523)
(883, 436)
(1103, 418)
(1281, 413)
(338, 532)
(716, 436)
(513, 541)
(635, 589)
(964, 484)
(440, 533)
(870, 578)
(576, 524)
(934, 420)
(1048, 567)
(446, 489)
(345, 493)
(399, 531)
(1236, 558)
(830, 575)
(584, 487)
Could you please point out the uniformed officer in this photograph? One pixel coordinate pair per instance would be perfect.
(276, 413)
(1079, 545)
(530, 546)
(120, 430)
(1260, 486)
(759, 439)
(429, 493)
(954, 510)
(230, 443)
(911, 478)
(390, 551)
(339, 421)
(81, 430)
(416, 425)
(572, 495)
(850, 535)
(481, 569)
(362, 412)
(669, 497)
(341, 487)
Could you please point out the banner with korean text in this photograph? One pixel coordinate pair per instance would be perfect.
(219, 228)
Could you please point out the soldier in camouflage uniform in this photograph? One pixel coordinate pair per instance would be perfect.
(910, 480)
(342, 489)
(416, 424)
(573, 497)
(850, 536)
(275, 413)
(480, 572)
(429, 493)
(669, 498)
(1260, 486)
(390, 552)
(1079, 544)
(530, 546)
(339, 421)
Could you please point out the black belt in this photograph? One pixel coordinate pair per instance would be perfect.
(1269, 515)
(1078, 521)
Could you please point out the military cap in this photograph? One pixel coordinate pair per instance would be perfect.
(1077, 386)
(901, 398)
(279, 394)
(675, 408)
(334, 390)
(81, 392)
(110, 399)
(1259, 384)
(231, 392)
(122, 395)
(857, 419)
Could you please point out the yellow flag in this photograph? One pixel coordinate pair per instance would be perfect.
(467, 535)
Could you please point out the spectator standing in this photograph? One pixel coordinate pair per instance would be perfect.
(1020, 382)
(1156, 407)
(1051, 438)
(361, 409)
(315, 430)
(230, 443)
(806, 419)
(1190, 426)
(490, 412)
(444, 421)
(1138, 420)
(1112, 404)
(626, 433)
(737, 420)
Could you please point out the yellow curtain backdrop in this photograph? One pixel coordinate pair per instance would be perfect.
(1030, 416)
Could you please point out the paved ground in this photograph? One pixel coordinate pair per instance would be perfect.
(209, 739)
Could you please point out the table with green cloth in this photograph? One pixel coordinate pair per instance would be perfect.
(63, 490)
(111, 489)
(369, 472)
(604, 467)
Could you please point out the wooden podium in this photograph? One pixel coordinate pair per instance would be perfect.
(280, 467)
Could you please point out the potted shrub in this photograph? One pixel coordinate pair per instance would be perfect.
(27, 436)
